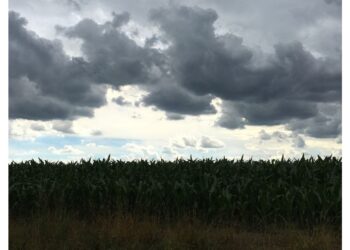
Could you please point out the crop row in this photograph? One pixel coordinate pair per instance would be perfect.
(301, 191)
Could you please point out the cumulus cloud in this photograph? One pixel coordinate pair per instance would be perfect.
(230, 117)
(113, 57)
(289, 85)
(326, 124)
(175, 99)
(44, 83)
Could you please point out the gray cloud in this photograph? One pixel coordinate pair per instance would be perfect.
(65, 127)
(44, 83)
(275, 89)
(174, 116)
(299, 142)
(175, 99)
(74, 4)
(121, 101)
(206, 63)
(113, 57)
(28, 102)
(295, 139)
(288, 86)
(207, 142)
(264, 136)
(230, 118)
(336, 2)
(37, 127)
(326, 124)
(120, 19)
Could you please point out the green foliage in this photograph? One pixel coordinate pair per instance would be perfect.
(303, 191)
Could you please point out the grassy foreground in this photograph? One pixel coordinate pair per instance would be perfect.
(129, 232)
(184, 204)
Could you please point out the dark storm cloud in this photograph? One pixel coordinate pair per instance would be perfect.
(275, 111)
(44, 83)
(326, 124)
(113, 57)
(175, 99)
(230, 118)
(206, 63)
(116, 59)
(27, 102)
(286, 85)
(289, 85)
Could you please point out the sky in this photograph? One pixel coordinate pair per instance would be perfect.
(168, 79)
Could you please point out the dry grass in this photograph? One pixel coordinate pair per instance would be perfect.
(128, 232)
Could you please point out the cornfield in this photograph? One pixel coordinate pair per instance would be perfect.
(302, 191)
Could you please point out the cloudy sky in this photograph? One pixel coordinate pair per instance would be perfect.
(166, 79)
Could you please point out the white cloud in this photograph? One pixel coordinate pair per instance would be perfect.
(137, 151)
(67, 149)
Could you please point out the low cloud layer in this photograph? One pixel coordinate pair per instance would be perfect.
(289, 86)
